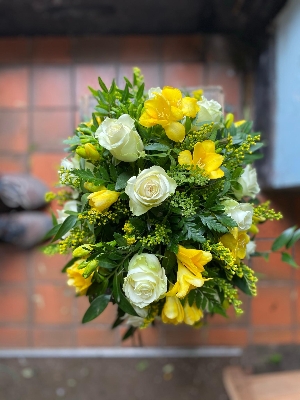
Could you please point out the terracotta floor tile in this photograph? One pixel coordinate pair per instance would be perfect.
(139, 49)
(13, 337)
(48, 268)
(151, 72)
(52, 49)
(53, 337)
(12, 164)
(14, 87)
(45, 166)
(13, 264)
(272, 306)
(14, 131)
(183, 75)
(14, 304)
(14, 50)
(87, 75)
(52, 304)
(182, 48)
(50, 128)
(52, 87)
(87, 337)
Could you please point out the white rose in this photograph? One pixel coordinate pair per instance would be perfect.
(210, 110)
(248, 181)
(241, 213)
(70, 205)
(153, 91)
(146, 280)
(149, 189)
(120, 137)
(250, 248)
(134, 320)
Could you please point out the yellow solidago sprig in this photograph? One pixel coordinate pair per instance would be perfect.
(262, 213)
(205, 157)
(166, 108)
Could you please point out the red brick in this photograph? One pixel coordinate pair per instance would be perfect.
(48, 267)
(182, 335)
(107, 317)
(272, 306)
(229, 336)
(14, 87)
(182, 48)
(149, 337)
(96, 49)
(97, 337)
(52, 87)
(12, 164)
(14, 131)
(273, 336)
(51, 50)
(45, 166)
(13, 337)
(229, 79)
(14, 304)
(13, 264)
(183, 75)
(52, 304)
(50, 128)
(14, 50)
(150, 71)
(272, 229)
(87, 75)
(272, 269)
(53, 338)
(139, 49)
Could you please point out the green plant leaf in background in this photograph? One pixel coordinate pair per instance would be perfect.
(286, 257)
(284, 238)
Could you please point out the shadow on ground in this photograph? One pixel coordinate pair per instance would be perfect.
(113, 379)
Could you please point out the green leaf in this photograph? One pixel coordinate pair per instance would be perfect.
(191, 297)
(54, 219)
(68, 224)
(187, 124)
(96, 308)
(120, 239)
(104, 174)
(225, 188)
(130, 331)
(69, 264)
(284, 238)
(113, 172)
(140, 92)
(84, 200)
(53, 231)
(226, 220)
(122, 180)
(169, 261)
(93, 91)
(88, 176)
(287, 258)
(126, 306)
(294, 239)
(157, 147)
(105, 262)
(212, 224)
(102, 85)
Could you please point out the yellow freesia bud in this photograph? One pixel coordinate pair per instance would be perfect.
(88, 151)
(198, 94)
(193, 259)
(172, 312)
(103, 199)
(93, 188)
(81, 152)
(253, 229)
(229, 120)
(90, 268)
(82, 251)
(192, 314)
(238, 123)
(77, 280)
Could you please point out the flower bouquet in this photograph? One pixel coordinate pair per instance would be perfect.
(159, 207)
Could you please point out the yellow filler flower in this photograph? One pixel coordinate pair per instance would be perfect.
(166, 109)
(76, 279)
(103, 199)
(205, 157)
(236, 242)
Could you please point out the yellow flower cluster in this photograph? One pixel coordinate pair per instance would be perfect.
(236, 154)
(262, 213)
(194, 137)
(76, 237)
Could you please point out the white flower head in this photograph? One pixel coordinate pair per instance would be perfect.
(146, 281)
(248, 182)
(241, 213)
(136, 321)
(250, 248)
(149, 189)
(210, 110)
(120, 137)
(153, 91)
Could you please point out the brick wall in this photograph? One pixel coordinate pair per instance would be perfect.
(41, 81)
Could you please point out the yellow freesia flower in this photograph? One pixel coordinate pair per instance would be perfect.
(77, 280)
(236, 242)
(166, 109)
(103, 199)
(186, 281)
(192, 314)
(193, 259)
(239, 123)
(198, 94)
(172, 312)
(205, 157)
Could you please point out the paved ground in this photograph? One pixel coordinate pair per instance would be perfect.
(113, 379)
